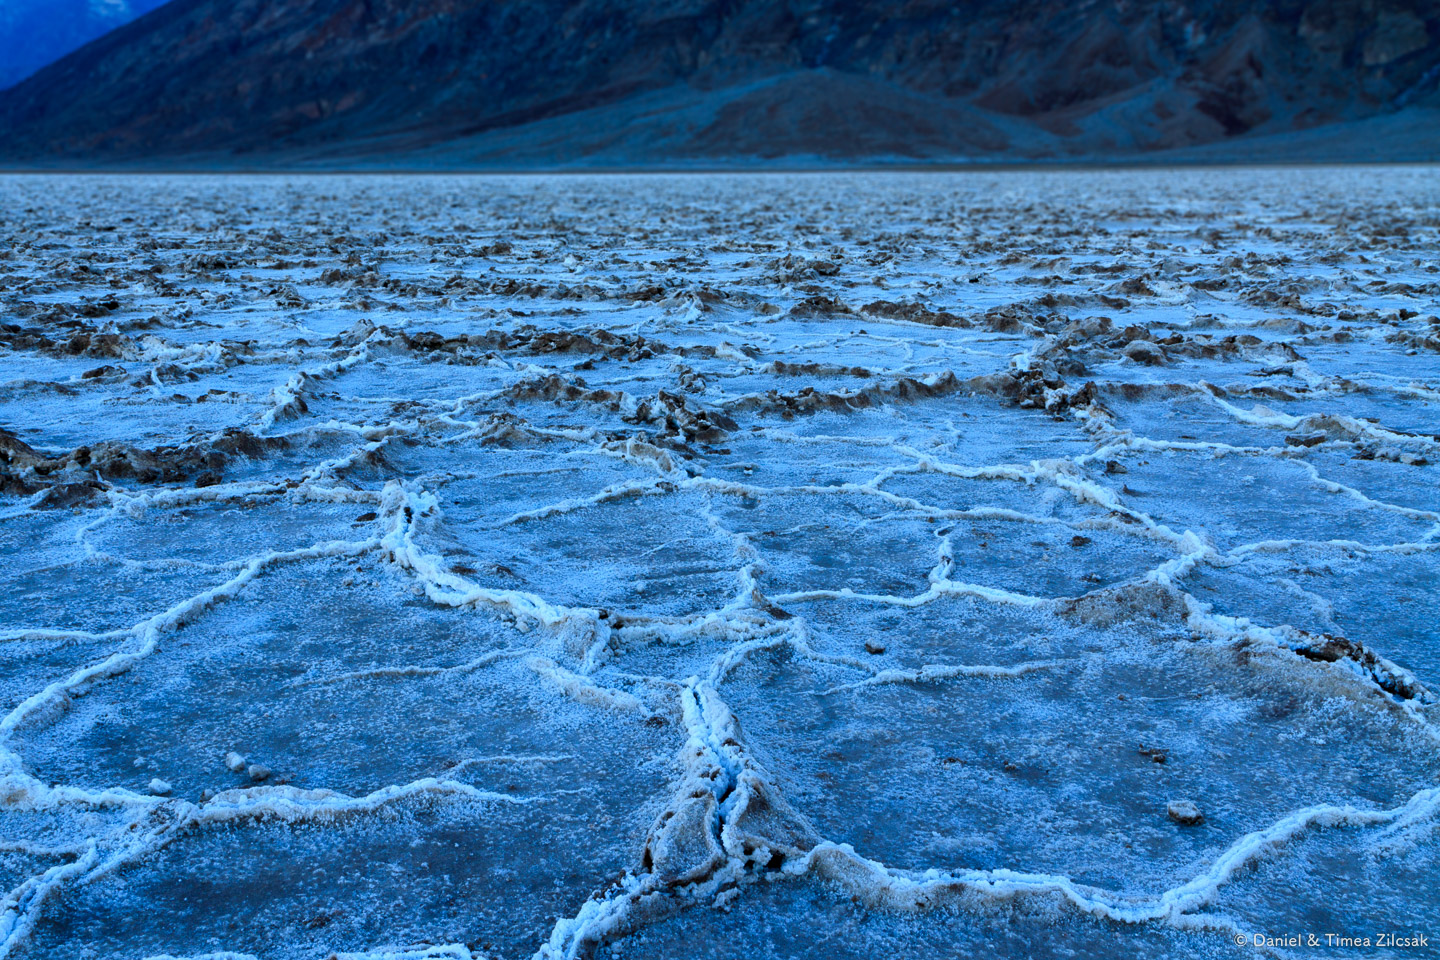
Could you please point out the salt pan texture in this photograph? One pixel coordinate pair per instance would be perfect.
(718, 566)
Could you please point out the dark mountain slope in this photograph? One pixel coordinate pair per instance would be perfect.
(295, 81)
(36, 32)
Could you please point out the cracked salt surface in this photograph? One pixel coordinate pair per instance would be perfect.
(718, 566)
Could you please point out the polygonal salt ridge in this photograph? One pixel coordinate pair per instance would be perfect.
(35, 658)
(684, 847)
(1414, 486)
(290, 857)
(107, 536)
(641, 452)
(771, 520)
(593, 639)
(221, 370)
(725, 827)
(989, 560)
(1178, 415)
(42, 836)
(60, 591)
(1381, 440)
(1254, 798)
(1374, 597)
(164, 530)
(1321, 468)
(830, 539)
(420, 396)
(1373, 883)
(811, 918)
(635, 546)
(310, 714)
(1007, 488)
(405, 514)
(87, 691)
(529, 467)
(98, 412)
(1327, 648)
(970, 430)
(889, 642)
(824, 450)
(1155, 600)
(1162, 485)
(523, 482)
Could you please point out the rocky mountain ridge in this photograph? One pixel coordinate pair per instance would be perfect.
(457, 83)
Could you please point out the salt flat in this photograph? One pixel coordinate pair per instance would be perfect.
(832, 565)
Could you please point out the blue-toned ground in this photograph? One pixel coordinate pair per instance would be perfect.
(904, 565)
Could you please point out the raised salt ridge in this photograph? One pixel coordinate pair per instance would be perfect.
(901, 565)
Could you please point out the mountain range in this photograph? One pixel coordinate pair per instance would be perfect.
(699, 83)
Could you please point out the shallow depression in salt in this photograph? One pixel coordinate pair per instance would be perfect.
(403, 567)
